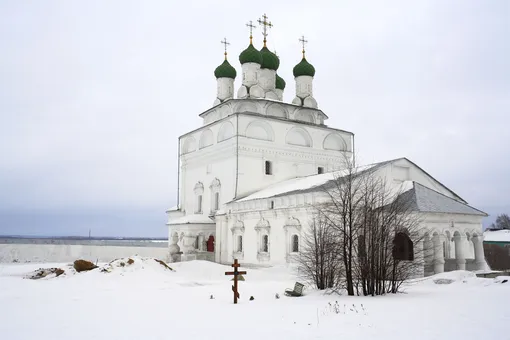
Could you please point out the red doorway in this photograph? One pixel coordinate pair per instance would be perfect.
(210, 244)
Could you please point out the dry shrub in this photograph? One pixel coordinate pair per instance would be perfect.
(163, 264)
(83, 265)
(130, 261)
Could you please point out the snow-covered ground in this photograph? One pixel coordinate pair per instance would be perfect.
(144, 300)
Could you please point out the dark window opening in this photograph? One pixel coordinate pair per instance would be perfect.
(320, 170)
(295, 243)
(265, 243)
(239, 243)
(403, 247)
(269, 170)
(271, 205)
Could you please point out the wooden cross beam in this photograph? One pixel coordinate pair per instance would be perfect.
(236, 273)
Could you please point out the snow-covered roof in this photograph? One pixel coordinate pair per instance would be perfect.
(425, 199)
(191, 219)
(497, 236)
(300, 183)
(304, 184)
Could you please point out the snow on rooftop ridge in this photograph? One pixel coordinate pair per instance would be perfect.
(299, 183)
(191, 219)
(303, 183)
(497, 236)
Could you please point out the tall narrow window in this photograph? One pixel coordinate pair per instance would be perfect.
(271, 205)
(265, 243)
(320, 170)
(216, 201)
(240, 243)
(295, 243)
(199, 203)
(269, 170)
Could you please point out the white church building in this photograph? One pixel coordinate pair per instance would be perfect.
(249, 175)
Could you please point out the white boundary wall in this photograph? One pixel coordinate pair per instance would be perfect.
(70, 253)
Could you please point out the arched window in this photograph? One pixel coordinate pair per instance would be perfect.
(215, 195)
(265, 243)
(295, 243)
(199, 190)
(403, 247)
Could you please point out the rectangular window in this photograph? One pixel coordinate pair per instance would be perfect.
(269, 170)
(320, 170)
(199, 203)
(265, 243)
(295, 243)
(271, 205)
(239, 243)
(216, 201)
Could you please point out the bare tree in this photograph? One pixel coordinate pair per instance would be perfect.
(374, 229)
(502, 222)
(318, 262)
(389, 251)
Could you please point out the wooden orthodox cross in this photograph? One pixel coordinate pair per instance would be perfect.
(236, 273)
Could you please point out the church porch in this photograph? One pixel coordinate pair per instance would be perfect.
(191, 237)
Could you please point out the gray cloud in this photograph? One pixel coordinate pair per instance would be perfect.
(94, 95)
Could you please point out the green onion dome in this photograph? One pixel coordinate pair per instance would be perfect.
(250, 55)
(304, 68)
(269, 59)
(225, 70)
(280, 83)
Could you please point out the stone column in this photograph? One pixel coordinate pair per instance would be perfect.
(201, 242)
(479, 253)
(188, 243)
(174, 249)
(438, 254)
(460, 257)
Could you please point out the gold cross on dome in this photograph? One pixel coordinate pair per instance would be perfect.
(265, 24)
(303, 42)
(225, 42)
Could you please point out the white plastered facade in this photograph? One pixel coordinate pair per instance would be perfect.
(247, 147)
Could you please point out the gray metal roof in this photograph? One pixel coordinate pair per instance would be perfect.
(427, 200)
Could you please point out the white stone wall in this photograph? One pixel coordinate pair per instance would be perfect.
(304, 86)
(250, 74)
(70, 253)
(267, 79)
(280, 234)
(264, 107)
(403, 170)
(225, 89)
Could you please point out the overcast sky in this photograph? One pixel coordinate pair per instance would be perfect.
(94, 94)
